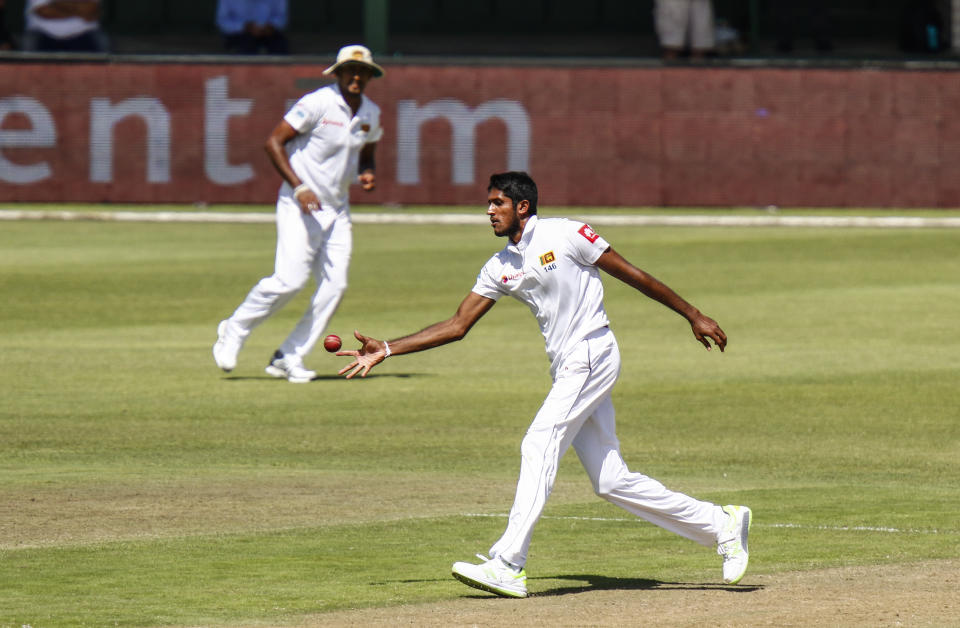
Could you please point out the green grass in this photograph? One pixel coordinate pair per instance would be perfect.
(142, 486)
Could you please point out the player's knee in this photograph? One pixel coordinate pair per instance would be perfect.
(534, 446)
(607, 484)
(338, 285)
(603, 489)
(279, 286)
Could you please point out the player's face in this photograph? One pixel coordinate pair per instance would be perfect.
(503, 215)
(353, 78)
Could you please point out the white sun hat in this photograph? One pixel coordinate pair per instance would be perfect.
(355, 53)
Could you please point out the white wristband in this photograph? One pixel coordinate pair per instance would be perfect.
(386, 348)
(303, 187)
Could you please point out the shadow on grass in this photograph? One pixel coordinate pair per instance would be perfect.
(606, 583)
(323, 378)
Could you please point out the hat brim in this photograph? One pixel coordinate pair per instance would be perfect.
(377, 70)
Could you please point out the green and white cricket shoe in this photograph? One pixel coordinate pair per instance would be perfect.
(732, 543)
(290, 368)
(226, 348)
(493, 576)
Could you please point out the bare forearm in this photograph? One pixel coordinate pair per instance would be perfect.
(662, 293)
(278, 157)
(373, 351)
(433, 336)
(367, 162)
(470, 310)
(704, 328)
(614, 264)
(367, 168)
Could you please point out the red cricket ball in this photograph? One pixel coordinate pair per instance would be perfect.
(332, 343)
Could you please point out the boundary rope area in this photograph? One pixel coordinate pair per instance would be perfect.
(888, 222)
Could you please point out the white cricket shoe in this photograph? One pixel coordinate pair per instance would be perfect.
(732, 543)
(226, 348)
(494, 576)
(290, 368)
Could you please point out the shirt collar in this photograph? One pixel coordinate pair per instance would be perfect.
(524, 242)
(343, 101)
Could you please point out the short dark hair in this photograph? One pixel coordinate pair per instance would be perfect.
(517, 186)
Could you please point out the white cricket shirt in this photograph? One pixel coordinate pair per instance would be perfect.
(552, 269)
(63, 28)
(326, 152)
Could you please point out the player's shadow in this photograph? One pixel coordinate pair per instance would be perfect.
(606, 583)
(599, 583)
(324, 378)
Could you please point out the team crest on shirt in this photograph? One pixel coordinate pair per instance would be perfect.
(587, 232)
(365, 128)
(549, 261)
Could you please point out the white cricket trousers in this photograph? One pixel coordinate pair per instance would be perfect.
(319, 243)
(679, 22)
(578, 411)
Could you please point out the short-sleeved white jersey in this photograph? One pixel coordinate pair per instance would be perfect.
(63, 28)
(326, 152)
(552, 269)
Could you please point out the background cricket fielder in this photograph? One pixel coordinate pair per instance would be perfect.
(323, 143)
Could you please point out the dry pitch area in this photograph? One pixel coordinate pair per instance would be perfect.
(918, 594)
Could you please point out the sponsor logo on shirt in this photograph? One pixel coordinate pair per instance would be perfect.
(511, 277)
(326, 121)
(589, 233)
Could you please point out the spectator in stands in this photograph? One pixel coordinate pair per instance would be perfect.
(63, 26)
(922, 27)
(249, 26)
(683, 24)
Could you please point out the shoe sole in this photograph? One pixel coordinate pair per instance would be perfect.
(745, 524)
(281, 374)
(220, 328)
(223, 368)
(476, 584)
(745, 528)
(275, 372)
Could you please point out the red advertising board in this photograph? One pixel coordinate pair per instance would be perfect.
(134, 132)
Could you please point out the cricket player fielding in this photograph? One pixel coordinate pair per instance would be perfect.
(552, 265)
(325, 142)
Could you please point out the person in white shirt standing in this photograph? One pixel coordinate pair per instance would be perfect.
(552, 265)
(324, 143)
(685, 24)
(63, 26)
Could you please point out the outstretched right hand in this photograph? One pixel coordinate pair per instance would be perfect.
(371, 353)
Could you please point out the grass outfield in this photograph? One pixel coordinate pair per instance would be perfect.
(143, 487)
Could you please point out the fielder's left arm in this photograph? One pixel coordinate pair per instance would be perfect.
(703, 326)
